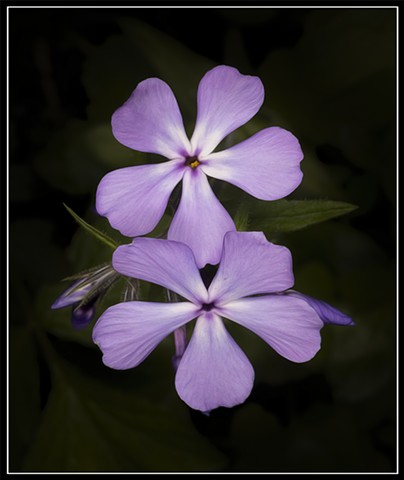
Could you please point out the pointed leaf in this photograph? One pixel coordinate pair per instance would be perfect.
(102, 237)
(289, 215)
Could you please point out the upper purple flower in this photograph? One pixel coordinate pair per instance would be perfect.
(213, 370)
(266, 165)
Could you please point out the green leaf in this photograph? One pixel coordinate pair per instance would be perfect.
(102, 237)
(88, 426)
(85, 252)
(289, 215)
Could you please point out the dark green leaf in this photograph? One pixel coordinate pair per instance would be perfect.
(289, 215)
(101, 236)
(85, 251)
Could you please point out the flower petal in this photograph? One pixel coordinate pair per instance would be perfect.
(167, 263)
(266, 165)
(214, 371)
(226, 100)
(326, 312)
(128, 332)
(73, 295)
(150, 121)
(250, 265)
(134, 198)
(287, 324)
(200, 221)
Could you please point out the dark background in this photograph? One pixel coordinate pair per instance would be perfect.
(330, 78)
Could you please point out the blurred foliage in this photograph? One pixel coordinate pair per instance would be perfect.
(329, 77)
(110, 425)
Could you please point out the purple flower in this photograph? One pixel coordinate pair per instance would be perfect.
(85, 292)
(266, 165)
(212, 371)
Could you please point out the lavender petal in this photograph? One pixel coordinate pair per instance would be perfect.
(134, 198)
(250, 265)
(287, 324)
(266, 165)
(226, 100)
(200, 221)
(150, 121)
(128, 332)
(164, 262)
(214, 371)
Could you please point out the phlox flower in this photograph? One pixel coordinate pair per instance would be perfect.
(251, 287)
(266, 165)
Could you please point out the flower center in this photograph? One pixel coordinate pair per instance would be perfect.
(192, 162)
(207, 307)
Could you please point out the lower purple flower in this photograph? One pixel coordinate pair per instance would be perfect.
(213, 371)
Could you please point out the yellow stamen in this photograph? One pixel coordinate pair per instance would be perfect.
(194, 164)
